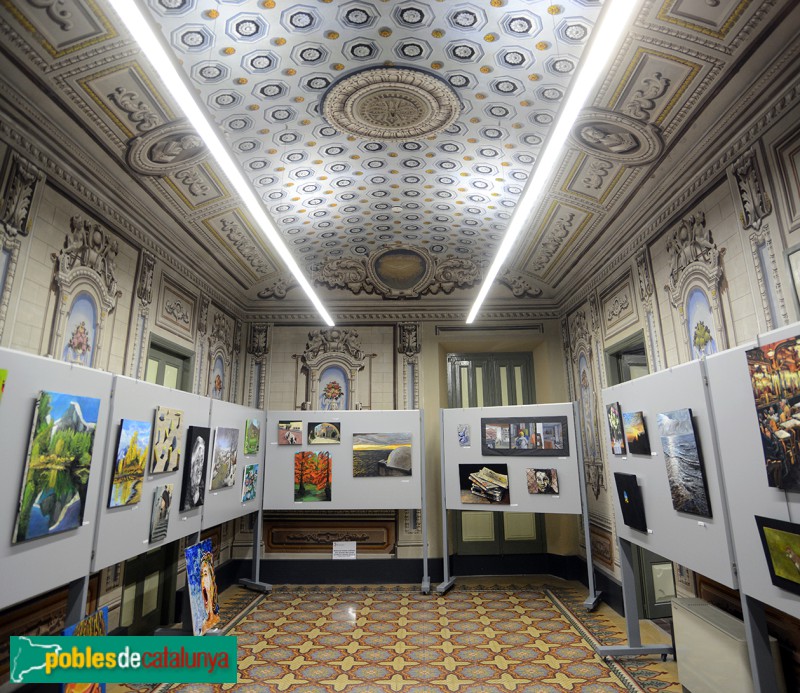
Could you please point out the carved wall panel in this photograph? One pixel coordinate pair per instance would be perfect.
(618, 307)
(331, 362)
(593, 177)
(560, 224)
(176, 309)
(787, 152)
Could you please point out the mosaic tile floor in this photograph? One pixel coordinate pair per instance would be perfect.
(474, 639)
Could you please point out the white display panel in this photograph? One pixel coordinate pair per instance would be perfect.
(749, 493)
(700, 543)
(568, 500)
(124, 532)
(226, 503)
(347, 492)
(38, 565)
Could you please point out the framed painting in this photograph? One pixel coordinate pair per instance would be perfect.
(290, 432)
(685, 470)
(630, 501)
(324, 433)
(614, 416)
(381, 454)
(226, 448)
(252, 436)
(781, 543)
(312, 477)
(525, 436)
(484, 484)
(202, 585)
(167, 440)
(249, 481)
(159, 517)
(130, 462)
(193, 490)
(636, 437)
(543, 481)
(57, 465)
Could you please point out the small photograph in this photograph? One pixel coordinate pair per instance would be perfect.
(252, 436)
(635, 433)
(614, 414)
(484, 484)
(159, 519)
(249, 481)
(312, 476)
(781, 542)
(542, 481)
(290, 432)
(223, 469)
(381, 454)
(324, 433)
(497, 435)
(464, 436)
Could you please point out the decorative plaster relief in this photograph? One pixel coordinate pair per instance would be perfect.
(231, 228)
(144, 287)
(23, 188)
(257, 345)
(176, 309)
(165, 149)
(408, 343)
(619, 307)
(616, 136)
(749, 193)
(63, 27)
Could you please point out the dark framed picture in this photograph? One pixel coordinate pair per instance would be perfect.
(614, 415)
(781, 542)
(525, 436)
(630, 501)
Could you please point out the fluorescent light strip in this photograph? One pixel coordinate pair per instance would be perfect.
(151, 46)
(603, 44)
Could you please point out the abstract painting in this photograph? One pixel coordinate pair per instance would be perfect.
(630, 501)
(249, 481)
(381, 454)
(464, 437)
(198, 443)
(312, 476)
(252, 436)
(202, 586)
(3, 378)
(93, 624)
(159, 518)
(615, 428)
(130, 462)
(290, 432)
(484, 484)
(636, 433)
(781, 542)
(223, 468)
(324, 433)
(775, 379)
(531, 436)
(57, 465)
(685, 471)
(167, 440)
(542, 480)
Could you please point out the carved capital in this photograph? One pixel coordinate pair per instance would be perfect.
(202, 320)
(408, 342)
(22, 183)
(237, 337)
(257, 344)
(645, 274)
(144, 287)
(753, 201)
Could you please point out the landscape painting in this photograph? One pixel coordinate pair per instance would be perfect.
(635, 433)
(614, 416)
(130, 462)
(249, 481)
(531, 436)
(290, 432)
(167, 439)
(381, 454)
(685, 471)
(542, 481)
(484, 484)
(202, 585)
(781, 542)
(312, 477)
(324, 433)
(59, 457)
(198, 443)
(252, 436)
(159, 518)
(223, 468)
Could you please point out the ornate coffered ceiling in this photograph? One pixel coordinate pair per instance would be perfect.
(389, 140)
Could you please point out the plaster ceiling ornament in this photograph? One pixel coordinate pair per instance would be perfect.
(617, 137)
(165, 149)
(391, 104)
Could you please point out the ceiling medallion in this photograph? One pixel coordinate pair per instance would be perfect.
(391, 103)
(616, 136)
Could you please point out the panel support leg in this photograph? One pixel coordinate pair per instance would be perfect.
(762, 666)
(447, 581)
(254, 582)
(77, 596)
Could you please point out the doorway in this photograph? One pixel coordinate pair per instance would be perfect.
(169, 366)
(150, 581)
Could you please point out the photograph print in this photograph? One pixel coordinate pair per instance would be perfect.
(223, 468)
(614, 416)
(167, 440)
(130, 462)
(290, 432)
(312, 476)
(542, 481)
(685, 470)
(630, 501)
(635, 433)
(57, 465)
(381, 454)
(484, 484)
(324, 433)
(525, 436)
(193, 490)
(159, 518)
(781, 543)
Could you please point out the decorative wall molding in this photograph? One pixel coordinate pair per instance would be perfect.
(618, 306)
(519, 285)
(144, 285)
(177, 308)
(749, 193)
(334, 347)
(258, 344)
(408, 343)
(23, 188)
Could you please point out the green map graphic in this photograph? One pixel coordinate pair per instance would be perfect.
(27, 656)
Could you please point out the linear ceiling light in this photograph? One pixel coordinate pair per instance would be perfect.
(613, 23)
(162, 63)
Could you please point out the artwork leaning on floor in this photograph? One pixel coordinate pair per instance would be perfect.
(312, 476)
(193, 490)
(630, 501)
(223, 467)
(685, 470)
(525, 436)
(290, 432)
(159, 518)
(130, 462)
(614, 415)
(202, 585)
(381, 454)
(781, 542)
(167, 440)
(484, 484)
(542, 481)
(636, 433)
(93, 624)
(57, 465)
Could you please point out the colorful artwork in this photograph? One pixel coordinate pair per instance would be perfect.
(464, 436)
(630, 501)
(223, 468)
(325, 433)
(685, 471)
(381, 454)
(700, 323)
(333, 394)
(193, 490)
(290, 432)
(202, 586)
(167, 440)
(57, 465)
(80, 331)
(781, 542)
(130, 462)
(252, 436)
(775, 379)
(218, 379)
(94, 624)
(312, 476)
(635, 433)
(615, 428)
(249, 481)
(484, 484)
(532, 436)
(542, 480)
(159, 518)
(3, 377)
